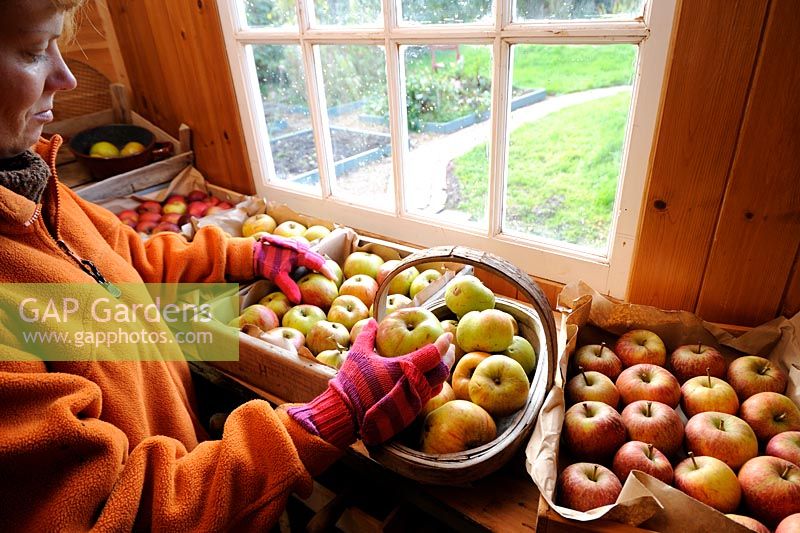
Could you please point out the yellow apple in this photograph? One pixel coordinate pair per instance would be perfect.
(456, 426)
(499, 385)
(462, 373)
(258, 223)
(444, 396)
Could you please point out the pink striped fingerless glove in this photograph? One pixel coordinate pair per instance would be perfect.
(373, 396)
(276, 257)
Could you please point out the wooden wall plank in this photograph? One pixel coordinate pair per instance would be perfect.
(178, 69)
(711, 67)
(791, 300)
(758, 234)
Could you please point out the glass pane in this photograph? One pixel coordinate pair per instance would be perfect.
(283, 91)
(270, 13)
(579, 9)
(446, 11)
(355, 12)
(448, 98)
(354, 78)
(565, 152)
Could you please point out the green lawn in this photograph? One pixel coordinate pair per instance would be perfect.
(562, 173)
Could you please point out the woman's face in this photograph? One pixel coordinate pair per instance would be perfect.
(31, 71)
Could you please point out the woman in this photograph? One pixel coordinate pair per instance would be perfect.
(116, 445)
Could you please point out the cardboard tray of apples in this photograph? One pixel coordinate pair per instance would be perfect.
(720, 411)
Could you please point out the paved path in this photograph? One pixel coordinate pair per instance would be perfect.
(426, 165)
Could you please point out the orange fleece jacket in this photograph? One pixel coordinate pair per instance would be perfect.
(115, 446)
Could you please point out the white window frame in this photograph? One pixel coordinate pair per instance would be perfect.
(552, 261)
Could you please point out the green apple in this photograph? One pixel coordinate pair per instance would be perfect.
(302, 317)
(499, 385)
(325, 335)
(347, 310)
(395, 302)
(362, 263)
(522, 352)
(278, 302)
(333, 358)
(315, 232)
(422, 280)
(289, 228)
(456, 426)
(401, 283)
(258, 223)
(485, 331)
(405, 330)
(338, 275)
(316, 289)
(467, 293)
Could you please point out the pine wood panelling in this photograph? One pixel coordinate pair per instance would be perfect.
(96, 42)
(711, 67)
(178, 69)
(791, 301)
(758, 233)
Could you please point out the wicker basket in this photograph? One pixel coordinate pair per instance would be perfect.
(536, 325)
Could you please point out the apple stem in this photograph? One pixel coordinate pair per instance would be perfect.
(691, 456)
(786, 471)
(708, 374)
(699, 346)
(780, 417)
(722, 424)
(647, 412)
(586, 408)
(764, 370)
(585, 379)
(650, 451)
(594, 473)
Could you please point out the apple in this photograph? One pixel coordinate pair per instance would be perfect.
(486, 331)
(150, 216)
(196, 196)
(770, 413)
(751, 374)
(500, 385)
(656, 423)
(257, 223)
(356, 329)
(172, 218)
(145, 226)
(278, 302)
(593, 431)
(175, 198)
(721, 435)
(710, 481)
(128, 214)
(592, 386)
(197, 209)
(467, 293)
(445, 395)
(174, 206)
(462, 373)
(212, 201)
(214, 210)
(422, 280)
(699, 359)
(166, 226)
(257, 315)
(338, 275)
(704, 393)
(785, 445)
(648, 382)
(289, 228)
(790, 524)
(401, 283)
(598, 358)
(282, 335)
(315, 232)
(637, 455)
(362, 263)
(522, 352)
(333, 358)
(302, 317)
(298, 238)
(362, 287)
(405, 330)
(325, 335)
(149, 206)
(585, 486)
(640, 346)
(385, 268)
(750, 523)
(316, 289)
(456, 426)
(771, 488)
(398, 301)
(347, 310)
(129, 222)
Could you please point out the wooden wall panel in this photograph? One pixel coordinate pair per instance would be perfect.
(178, 69)
(711, 67)
(758, 233)
(96, 42)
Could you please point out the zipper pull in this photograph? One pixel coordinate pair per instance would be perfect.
(93, 271)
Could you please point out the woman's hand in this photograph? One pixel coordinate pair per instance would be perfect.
(276, 257)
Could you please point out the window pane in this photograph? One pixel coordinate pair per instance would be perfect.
(355, 83)
(448, 98)
(270, 13)
(337, 12)
(283, 91)
(565, 152)
(579, 9)
(446, 11)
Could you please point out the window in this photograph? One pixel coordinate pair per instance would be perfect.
(523, 127)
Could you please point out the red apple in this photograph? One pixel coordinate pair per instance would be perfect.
(499, 385)
(347, 310)
(785, 445)
(637, 455)
(770, 413)
(212, 201)
(224, 206)
(196, 196)
(750, 374)
(598, 358)
(593, 431)
(721, 435)
(467, 293)
(462, 373)
(491, 330)
(197, 209)
(175, 198)
(592, 386)
(771, 488)
(172, 218)
(365, 263)
(282, 336)
(278, 302)
(165, 226)
(149, 206)
(405, 330)
(692, 360)
(422, 280)
(790, 524)
(302, 317)
(585, 486)
(704, 393)
(145, 226)
(128, 214)
(445, 395)
(648, 382)
(656, 423)
(456, 426)
(750, 523)
(214, 209)
(362, 287)
(385, 268)
(257, 315)
(150, 216)
(640, 346)
(710, 481)
(316, 289)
